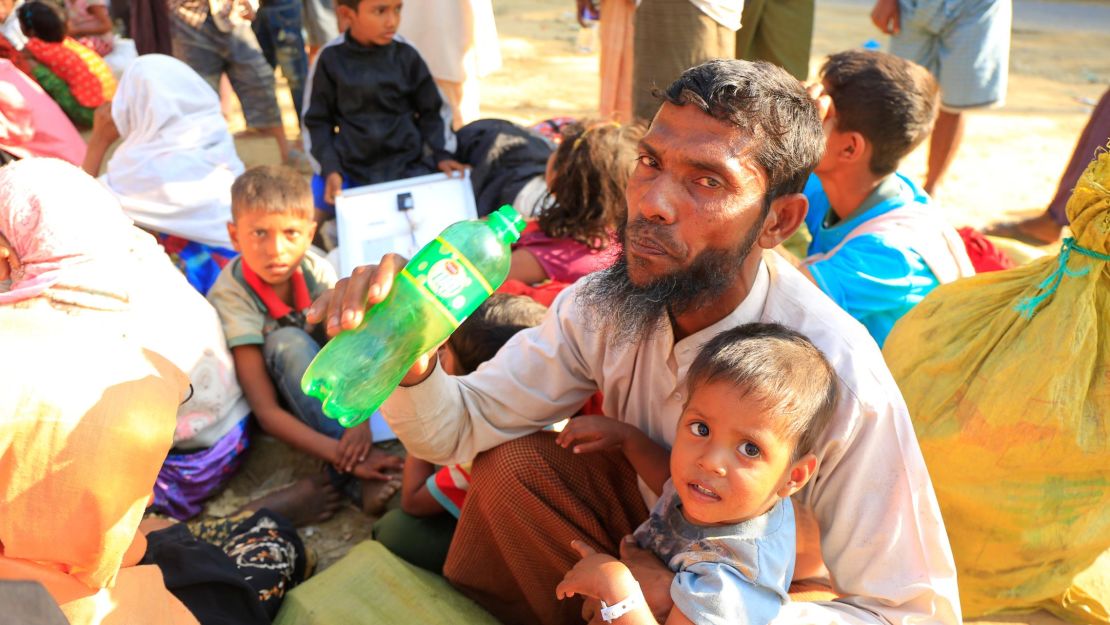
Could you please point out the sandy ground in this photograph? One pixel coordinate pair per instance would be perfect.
(1009, 165)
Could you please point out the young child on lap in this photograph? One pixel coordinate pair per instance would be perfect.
(760, 396)
(374, 107)
(261, 298)
(432, 497)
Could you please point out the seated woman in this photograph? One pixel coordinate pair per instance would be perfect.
(73, 228)
(173, 171)
(76, 77)
(88, 406)
(575, 226)
(31, 124)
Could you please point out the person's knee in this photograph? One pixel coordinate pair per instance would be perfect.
(523, 461)
(288, 349)
(390, 529)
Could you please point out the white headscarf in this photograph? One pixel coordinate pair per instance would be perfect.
(174, 169)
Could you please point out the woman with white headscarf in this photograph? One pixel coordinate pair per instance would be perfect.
(173, 170)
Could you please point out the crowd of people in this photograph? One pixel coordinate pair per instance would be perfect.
(663, 415)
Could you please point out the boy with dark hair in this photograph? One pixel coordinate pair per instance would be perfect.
(879, 246)
(431, 498)
(761, 396)
(261, 298)
(374, 109)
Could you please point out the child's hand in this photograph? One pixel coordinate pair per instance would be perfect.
(450, 166)
(332, 186)
(378, 465)
(597, 575)
(654, 577)
(354, 445)
(595, 433)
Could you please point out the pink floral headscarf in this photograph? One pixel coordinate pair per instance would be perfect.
(68, 232)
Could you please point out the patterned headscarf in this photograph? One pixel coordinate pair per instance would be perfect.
(68, 232)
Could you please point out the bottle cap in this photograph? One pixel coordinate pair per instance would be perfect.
(507, 223)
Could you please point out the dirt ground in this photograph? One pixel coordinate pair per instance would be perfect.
(1009, 165)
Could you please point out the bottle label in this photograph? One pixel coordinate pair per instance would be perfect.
(447, 280)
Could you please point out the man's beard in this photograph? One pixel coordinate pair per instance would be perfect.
(628, 312)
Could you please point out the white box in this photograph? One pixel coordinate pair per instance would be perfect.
(371, 225)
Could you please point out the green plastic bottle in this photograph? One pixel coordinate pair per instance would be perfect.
(437, 290)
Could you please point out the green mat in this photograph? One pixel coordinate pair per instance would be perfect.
(371, 585)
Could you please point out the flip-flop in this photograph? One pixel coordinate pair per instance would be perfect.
(1012, 230)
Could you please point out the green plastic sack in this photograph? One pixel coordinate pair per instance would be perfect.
(1007, 378)
(371, 585)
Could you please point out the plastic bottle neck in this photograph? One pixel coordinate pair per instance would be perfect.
(507, 224)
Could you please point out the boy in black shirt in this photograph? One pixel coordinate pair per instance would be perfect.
(374, 106)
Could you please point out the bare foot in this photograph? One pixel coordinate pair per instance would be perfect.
(308, 500)
(377, 493)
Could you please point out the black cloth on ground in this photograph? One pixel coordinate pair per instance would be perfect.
(226, 584)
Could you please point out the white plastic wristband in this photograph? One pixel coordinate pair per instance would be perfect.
(610, 613)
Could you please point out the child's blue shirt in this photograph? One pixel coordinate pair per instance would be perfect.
(874, 277)
(724, 574)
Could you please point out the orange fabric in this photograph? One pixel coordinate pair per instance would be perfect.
(88, 419)
(615, 34)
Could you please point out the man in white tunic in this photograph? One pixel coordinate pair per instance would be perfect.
(717, 185)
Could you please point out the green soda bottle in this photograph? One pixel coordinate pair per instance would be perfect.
(437, 290)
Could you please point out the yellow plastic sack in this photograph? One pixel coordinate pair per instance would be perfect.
(1007, 378)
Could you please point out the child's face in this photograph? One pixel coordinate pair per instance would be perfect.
(375, 21)
(272, 244)
(729, 462)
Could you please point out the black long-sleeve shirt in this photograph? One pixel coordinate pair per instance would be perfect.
(372, 110)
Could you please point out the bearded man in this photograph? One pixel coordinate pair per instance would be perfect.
(717, 184)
